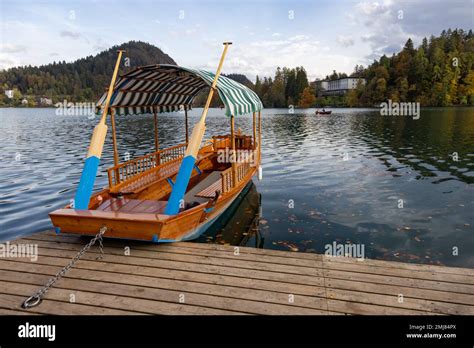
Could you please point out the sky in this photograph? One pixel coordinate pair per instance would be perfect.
(321, 35)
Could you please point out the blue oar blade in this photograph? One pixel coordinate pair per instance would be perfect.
(180, 185)
(84, 189)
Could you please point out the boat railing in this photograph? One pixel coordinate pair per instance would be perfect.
(129, 169)
(227, 176)
(136, 168)
(225, 141)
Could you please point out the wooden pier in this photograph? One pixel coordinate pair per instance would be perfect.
(193, 278)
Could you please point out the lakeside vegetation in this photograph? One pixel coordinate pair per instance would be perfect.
(437, 73)
(82, 80)
(440, 72)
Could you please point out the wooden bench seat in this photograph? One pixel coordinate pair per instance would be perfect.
(140, 183)
(134, 206)
(210, 191)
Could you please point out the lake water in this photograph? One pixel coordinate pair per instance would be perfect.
(402, 188)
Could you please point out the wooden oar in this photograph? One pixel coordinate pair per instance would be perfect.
(190, 156)
(89, 172)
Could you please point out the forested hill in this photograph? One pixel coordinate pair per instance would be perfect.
(439, 72)
(82, 80)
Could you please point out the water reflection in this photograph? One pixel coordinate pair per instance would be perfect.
(240, 223)
(440, 141)
(345, 174)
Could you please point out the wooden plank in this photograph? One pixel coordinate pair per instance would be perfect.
(210, 192)
(164, 275)
(48, 306)
(88, 261)
(267, 303)
(403, 265)
(393, 301)
(100, 300)
(279, 305)
(395, 290)
(256, 254)
(398, 272)
(197, 263)
(398, 281)
(161, 251)
(205, 259)
(370, 309)
(206, 246)
(214, 280)
(4, 311)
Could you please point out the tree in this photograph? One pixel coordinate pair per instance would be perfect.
(307, 99)
(290, 87)
(301, 82)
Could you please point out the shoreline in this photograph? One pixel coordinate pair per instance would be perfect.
(285, 108)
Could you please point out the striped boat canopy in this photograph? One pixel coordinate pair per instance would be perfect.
(173, 88)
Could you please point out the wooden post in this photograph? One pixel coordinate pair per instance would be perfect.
(157, 144)
(114, 142)
(254, 132)
(186, 122)
(233, 157)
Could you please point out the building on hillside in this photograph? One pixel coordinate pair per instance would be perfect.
(339, 86)
(45, 101)
(9, 93)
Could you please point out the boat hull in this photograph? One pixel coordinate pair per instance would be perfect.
(186, 225)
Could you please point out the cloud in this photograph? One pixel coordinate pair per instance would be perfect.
(389, 24)
(71, 34)
(8, 53)
(12, 48)
(6, 63)
(264, 56)
(371, 8)
(345, 41)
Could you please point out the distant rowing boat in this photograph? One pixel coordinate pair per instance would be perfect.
(323, 112)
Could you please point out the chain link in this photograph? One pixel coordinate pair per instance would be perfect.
(36, 299)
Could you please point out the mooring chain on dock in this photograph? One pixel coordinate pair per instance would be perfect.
(36, 299)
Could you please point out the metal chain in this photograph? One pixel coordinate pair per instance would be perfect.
(36, 299)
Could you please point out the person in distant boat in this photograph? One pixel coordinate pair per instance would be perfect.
(324, 110)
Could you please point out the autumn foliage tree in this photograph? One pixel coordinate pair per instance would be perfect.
(308, 99)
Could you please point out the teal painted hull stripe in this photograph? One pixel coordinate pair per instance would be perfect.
(84, 190)
(180, 185)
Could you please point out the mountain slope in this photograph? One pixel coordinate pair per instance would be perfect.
(82, 80)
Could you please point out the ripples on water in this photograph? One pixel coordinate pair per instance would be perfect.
(345, 174)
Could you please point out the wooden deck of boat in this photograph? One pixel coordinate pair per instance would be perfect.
(192, 278)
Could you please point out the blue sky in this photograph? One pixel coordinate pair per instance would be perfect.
(320, 35)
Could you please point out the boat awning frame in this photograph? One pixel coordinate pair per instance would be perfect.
(171, 88)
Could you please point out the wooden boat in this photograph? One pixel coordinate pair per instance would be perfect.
(323, 112)
(171, 194)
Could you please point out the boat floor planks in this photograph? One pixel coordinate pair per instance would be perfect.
(208, 279)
